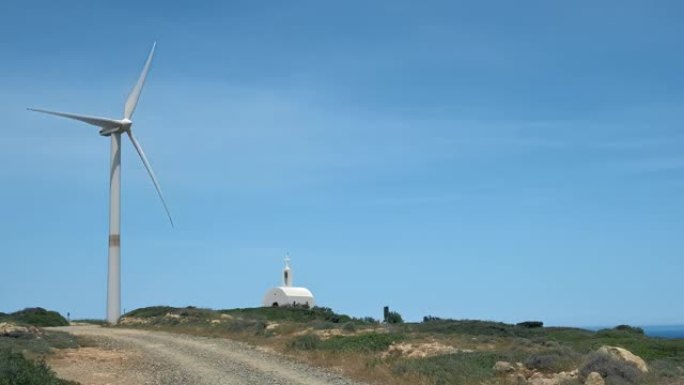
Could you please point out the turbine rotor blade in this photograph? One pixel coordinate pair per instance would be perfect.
(133, 97)
(95, 121)
(139, 149)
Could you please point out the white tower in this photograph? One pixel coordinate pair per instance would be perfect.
(287, 272)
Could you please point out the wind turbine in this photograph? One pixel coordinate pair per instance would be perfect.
(114, 128)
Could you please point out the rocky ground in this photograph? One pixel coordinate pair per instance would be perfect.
(124, 356)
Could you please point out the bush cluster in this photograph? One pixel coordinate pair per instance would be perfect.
(15, 369)
(554, 360)
(452, 369)
(530, 324)
(305, 342)
(367, 342)
(394, 317)
(36, 316)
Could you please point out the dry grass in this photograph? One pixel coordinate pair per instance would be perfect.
(429, 353)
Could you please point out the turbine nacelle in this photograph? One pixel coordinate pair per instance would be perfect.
(121, 126)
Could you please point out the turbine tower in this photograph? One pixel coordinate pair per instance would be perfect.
(114, 128)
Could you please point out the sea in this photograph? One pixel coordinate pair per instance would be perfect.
(669, 332)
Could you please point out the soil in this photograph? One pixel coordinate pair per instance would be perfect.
(130, 356)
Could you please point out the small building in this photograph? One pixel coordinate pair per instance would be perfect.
(287, 295)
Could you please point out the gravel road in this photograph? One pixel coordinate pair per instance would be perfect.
(130, 356)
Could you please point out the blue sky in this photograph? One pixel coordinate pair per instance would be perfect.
(485, 160)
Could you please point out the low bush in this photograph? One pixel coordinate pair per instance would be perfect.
(614, 371)
(531, 324)
(476, 328)
(91, 321)
(452, 369)
(15, 369)
(149, 312)
(323, 325)
(394, 317)
(366, 320)
(349, 327)
(367, 342)
(295, 314)
(305, 342)
(36, 316)
(254, 327)
(630, 329)
(553, 361)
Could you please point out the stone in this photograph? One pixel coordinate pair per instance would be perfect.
(517, 379)
(552, 378)
(594, 379)
(8, 329)
(540, 379)
(563, 377)
(503, 367)
(625, 355)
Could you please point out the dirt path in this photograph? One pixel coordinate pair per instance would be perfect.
(128, 356)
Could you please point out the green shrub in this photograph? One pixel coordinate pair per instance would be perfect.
(476, 328)
(305, 342)
(286, 313)
(531, 324)
(15, 369)
(630, 329)
(367, 342)
(349, 327)
(323, 325)
(664, 372)
(255, 327)
(36, 316)
(552, 362)
(149, 312)
(453, 369)
(394, 317)
(92, 321)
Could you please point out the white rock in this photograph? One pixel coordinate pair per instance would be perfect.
(625, 355)
(502, 367)
(594, 379)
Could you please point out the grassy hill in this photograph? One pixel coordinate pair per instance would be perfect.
(24, 347)
(436, 351)
(36, 316)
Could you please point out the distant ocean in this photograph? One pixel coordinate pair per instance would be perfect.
(672, 332)
(668, 331)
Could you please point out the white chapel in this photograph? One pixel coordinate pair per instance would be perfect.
(287, 295)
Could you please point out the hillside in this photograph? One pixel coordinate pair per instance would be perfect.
(435, 351)
(24, 345)
(36, 316)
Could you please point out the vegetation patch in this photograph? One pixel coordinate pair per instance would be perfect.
(475, 328)
(614, 371)
(36, 316)
(293, 314)
(305, 342)
(364, 351)
(15, 369)
(90, 321)
(452, 369)
(366, 342)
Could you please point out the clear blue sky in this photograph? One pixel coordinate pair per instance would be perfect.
(490, 160)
